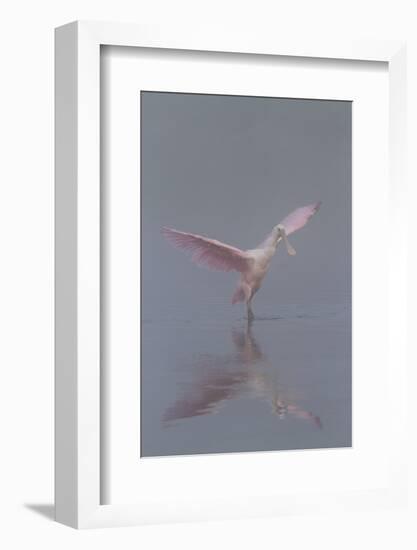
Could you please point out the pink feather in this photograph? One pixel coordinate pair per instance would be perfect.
(209, 252)
(297, 219)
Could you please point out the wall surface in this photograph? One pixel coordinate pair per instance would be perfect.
(26, 300)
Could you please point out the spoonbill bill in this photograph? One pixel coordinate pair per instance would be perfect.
(252, 264)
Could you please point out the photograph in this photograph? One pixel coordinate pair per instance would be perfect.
(208, 260)
(245, 264)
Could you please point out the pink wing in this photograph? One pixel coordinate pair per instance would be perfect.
(297, 219)
(209, 252)
(205, 395)
(296, 411)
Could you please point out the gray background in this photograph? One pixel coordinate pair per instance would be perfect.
(231, 167)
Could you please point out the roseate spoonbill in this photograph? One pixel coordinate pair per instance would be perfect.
(217, 380)
(252, 264)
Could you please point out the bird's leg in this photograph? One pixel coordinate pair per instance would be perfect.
(251, 315)
(248, 292)
(283, 234)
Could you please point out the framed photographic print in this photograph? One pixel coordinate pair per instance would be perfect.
(271, 380)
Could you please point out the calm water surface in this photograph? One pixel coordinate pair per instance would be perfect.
(213, 383)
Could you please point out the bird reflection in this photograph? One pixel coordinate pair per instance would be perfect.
(244, 372)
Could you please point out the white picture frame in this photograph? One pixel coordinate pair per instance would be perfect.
(77, 409)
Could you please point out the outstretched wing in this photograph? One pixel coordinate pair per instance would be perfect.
(300, 413)
(294, 221)
(214, 386)
(297, 219)
(209, 252)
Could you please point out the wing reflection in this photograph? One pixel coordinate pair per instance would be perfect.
(246, 371)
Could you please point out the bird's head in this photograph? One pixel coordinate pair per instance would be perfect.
(281, 409)
(281, 234)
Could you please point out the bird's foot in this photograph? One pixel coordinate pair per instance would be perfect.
(251, 316)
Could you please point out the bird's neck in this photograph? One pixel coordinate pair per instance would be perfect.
(273, 239)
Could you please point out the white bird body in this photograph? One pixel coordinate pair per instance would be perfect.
(251, 279)
(252, 264)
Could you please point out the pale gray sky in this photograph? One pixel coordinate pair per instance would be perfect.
(230, 168)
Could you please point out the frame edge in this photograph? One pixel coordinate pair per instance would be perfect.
(66, 387)
(77, 123)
